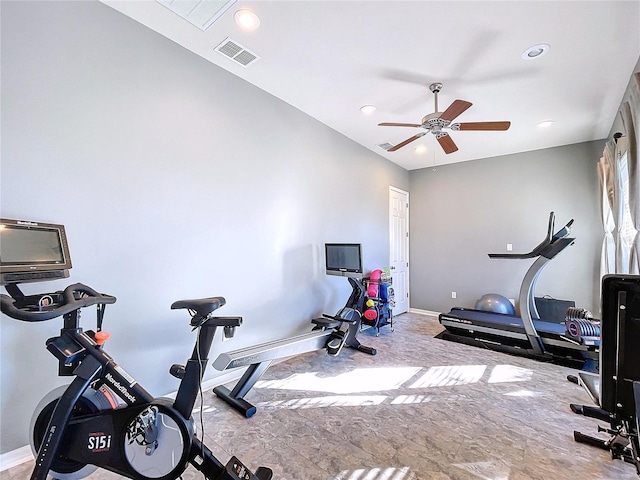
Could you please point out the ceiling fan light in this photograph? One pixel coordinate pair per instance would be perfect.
(421, 149)
(536, 51)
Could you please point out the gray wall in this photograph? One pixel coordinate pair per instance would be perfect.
(175, 179)
(461, 212)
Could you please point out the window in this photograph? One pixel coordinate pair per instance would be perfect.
(627, 232)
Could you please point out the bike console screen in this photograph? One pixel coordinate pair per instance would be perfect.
(32, 252)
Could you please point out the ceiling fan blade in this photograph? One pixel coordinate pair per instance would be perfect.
(391, 124)
(406, 142)
(485, 126)
(447, 143)
(455, 109)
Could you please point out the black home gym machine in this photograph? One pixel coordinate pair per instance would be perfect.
(616, 390)
(330, 332)
(104, 418)
(577, 338)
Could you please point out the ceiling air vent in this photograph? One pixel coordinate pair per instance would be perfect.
(236, 52)
(385, 146)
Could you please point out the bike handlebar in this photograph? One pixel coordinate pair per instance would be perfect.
(86, 296)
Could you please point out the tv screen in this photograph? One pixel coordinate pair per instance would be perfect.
(343, 259)
(32, 251)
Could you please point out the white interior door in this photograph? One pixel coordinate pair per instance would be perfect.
(399, 247)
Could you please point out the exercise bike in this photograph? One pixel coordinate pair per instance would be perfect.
(104, 418)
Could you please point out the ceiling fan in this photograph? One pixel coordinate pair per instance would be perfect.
(438, 121)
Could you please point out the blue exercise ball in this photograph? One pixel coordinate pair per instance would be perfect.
(492, 302)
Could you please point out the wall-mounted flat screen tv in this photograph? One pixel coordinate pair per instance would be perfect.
(343, 259)
(32, 251)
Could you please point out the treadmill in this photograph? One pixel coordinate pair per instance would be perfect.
(527, 334)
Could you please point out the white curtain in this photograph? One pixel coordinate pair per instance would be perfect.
(630, 112)
(619, 174)
(606, 173)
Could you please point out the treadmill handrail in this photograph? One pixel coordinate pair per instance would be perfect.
(544, 251)
(563, 232)
(539, 248)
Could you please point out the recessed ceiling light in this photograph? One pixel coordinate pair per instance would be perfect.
(421, 149)
(545, 124)
(246, 19)
(536, 51)
(367, 109)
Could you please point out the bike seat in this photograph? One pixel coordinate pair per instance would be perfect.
(202, 306)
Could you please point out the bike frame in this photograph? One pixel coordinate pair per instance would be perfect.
(80, 356)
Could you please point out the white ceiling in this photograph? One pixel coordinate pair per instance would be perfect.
(329, 58)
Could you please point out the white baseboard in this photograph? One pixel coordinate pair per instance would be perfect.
(23, 454)
(423, 312)
(15, 457)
